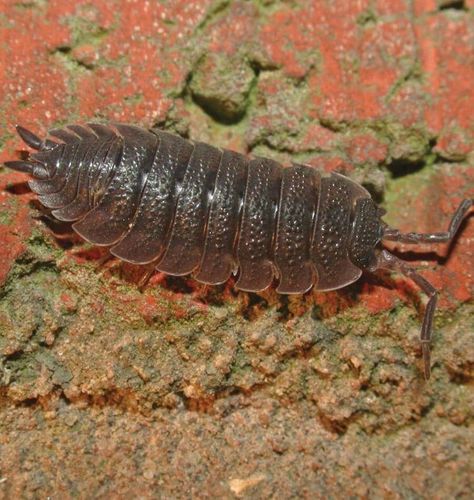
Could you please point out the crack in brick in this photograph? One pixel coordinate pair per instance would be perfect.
(453, 5)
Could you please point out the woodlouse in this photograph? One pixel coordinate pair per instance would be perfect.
(192, 208)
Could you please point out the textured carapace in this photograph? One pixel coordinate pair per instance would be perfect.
(192, 208)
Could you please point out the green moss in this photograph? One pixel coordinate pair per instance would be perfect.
(407, 144)
(366, 18)
(221, 86)
(213, 13)
(401, 191)
(413, 73)
(8, 211)
(31, 4)
(85, 32)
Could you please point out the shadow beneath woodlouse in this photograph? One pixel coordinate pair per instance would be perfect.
(405, 289)
(18, 188)
(56, 227)
(250, 305)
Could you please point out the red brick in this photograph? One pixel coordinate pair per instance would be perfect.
(366, 149)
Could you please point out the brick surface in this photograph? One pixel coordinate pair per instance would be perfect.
(180, 390)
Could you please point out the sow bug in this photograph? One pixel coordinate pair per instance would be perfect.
(189, 207)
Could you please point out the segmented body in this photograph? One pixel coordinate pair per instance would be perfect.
(192, 208)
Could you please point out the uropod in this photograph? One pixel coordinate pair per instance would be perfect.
(189, 207)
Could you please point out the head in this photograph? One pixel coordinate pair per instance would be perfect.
(367, 231)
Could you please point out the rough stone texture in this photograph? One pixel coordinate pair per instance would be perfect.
(180, 390)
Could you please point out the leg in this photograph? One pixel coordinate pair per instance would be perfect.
(386, 260)
(143, 281)
(442, 237)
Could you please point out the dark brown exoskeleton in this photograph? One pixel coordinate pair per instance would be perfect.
(192, 208)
